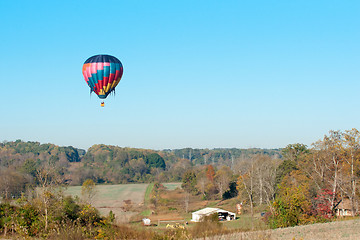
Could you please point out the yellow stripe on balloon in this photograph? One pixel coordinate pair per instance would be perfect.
(107, 87)
(101, 92)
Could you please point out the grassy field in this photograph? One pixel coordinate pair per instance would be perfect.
(125, 200)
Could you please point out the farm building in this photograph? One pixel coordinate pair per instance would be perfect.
(223, 214)
(343, 209)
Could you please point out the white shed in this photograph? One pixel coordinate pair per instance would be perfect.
(146, 222)
(223, 214)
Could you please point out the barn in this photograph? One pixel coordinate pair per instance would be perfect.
(343, 208)
(223, 214)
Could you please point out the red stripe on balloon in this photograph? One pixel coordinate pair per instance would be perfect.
(111, 78)
(106, 81)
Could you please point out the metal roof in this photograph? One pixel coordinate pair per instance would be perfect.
(208, 211)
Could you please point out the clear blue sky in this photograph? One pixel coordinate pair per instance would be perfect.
(199, 74)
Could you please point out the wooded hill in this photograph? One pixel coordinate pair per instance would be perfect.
(20, 161)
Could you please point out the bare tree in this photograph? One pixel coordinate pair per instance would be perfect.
(257, 179)
(245, 183)
(48, 180)
(12, 183)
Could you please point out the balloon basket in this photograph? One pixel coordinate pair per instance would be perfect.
(102, 104)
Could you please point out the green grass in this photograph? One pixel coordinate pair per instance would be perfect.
(73, 191)
(146, 213)
(171, 186)
(147, 194)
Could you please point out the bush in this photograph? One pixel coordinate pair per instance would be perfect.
(89, 215)
(28, 220)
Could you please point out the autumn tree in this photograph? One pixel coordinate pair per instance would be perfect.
(284, 169)
(210, 189)
(210, 173)
(223, 178)
(292, 205)
(88, 190)
(292, 155)
(189, 182)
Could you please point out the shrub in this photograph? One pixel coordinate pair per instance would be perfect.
(322, 206)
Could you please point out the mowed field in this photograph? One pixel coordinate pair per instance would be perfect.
(125, 200)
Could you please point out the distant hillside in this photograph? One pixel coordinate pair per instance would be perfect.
(23, 155)
(23, 148)
(220, 156)
(113, 164)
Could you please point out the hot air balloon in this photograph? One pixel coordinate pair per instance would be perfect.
(102, 73)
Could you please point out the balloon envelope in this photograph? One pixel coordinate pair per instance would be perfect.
(102, 73)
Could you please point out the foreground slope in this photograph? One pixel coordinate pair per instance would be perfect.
(339, 230)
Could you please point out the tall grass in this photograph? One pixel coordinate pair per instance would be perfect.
(246, 222)
(74, 232)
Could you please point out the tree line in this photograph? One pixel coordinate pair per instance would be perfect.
(20, 162)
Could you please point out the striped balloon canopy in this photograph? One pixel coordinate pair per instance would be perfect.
(102, 73)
